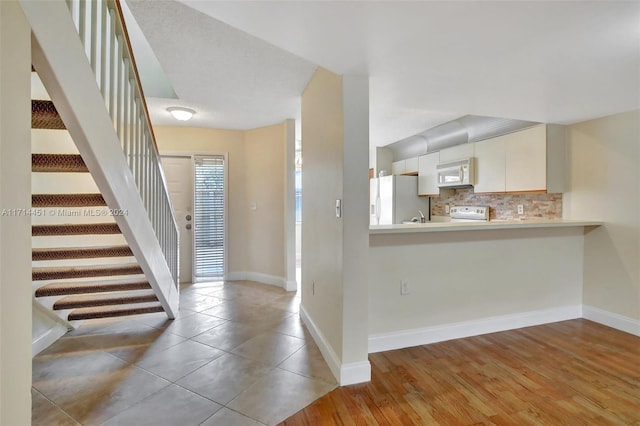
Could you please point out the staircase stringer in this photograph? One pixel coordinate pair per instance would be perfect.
(59, 58)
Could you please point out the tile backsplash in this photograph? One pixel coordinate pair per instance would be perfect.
(502, 206)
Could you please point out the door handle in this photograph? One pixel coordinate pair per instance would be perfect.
(188, 226)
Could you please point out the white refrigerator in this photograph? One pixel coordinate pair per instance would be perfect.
(395, 199)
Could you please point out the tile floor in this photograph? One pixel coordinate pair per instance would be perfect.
(238, 354)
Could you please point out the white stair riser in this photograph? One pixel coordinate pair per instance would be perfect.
(63, 183)
(45, 141)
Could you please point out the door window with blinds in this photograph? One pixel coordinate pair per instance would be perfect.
(209, 220)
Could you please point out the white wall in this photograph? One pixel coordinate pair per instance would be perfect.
(470, 276)
(604, 180)
(15, 231)
(334, 250)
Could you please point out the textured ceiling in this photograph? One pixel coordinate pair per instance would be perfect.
(245, 63)
(231, 79)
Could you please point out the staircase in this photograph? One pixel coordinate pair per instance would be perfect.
(104, 236)
(82, 267)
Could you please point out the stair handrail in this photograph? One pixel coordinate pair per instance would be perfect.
(101, 27)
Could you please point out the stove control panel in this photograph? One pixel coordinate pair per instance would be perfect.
(470, 212)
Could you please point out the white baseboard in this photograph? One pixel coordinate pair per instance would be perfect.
(291, 285)
(48, 338)
(439, 333)
(610, 319)
(355, 372)
(261, 278)
(346, 374)
(236, 276)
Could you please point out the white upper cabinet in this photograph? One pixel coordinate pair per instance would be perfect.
(526, 161)
(398, 167)
(490, 165)
(411, 166)
(457, 152)
(405, 167)
(428, 175)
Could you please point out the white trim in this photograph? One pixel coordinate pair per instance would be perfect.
(346, 374)
(327, 351)
(261, 278)
(610, 319)
(355, 372)
(439, 333)
(235, 276)
(291, 285)
(289, 189)
(48, 338)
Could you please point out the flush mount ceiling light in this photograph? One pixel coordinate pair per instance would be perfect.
(182, 114)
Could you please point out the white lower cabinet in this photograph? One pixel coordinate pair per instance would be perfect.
(427, 174)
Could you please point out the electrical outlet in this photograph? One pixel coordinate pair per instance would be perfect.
(520, 209)
(404, 287)
(446, 208)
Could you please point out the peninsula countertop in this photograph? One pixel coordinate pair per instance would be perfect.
(444, 226)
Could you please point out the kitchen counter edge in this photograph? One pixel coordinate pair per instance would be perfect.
(482, 226)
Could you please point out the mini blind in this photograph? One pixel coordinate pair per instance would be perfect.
(209, 201)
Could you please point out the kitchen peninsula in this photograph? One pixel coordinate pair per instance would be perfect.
(478, 226)
(439, 281)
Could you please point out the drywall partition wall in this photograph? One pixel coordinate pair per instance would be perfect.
(497, 280)
(355, 213)
(322, 130)
(604, 178)
(189, 140)
(15, 230)
(264, 201)
(335, 239)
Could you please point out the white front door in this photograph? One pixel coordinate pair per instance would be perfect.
(179, 173)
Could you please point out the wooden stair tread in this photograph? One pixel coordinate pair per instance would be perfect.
(111, 311)
(75, 229)
(58, 163)
(66, 272)
(67, 200)
(56, 253)
(44, 115)
(108, 299)
(101, 286)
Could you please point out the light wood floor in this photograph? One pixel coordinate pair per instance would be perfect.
(567, 373)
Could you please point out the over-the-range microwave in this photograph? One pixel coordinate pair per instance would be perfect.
(456, 174)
